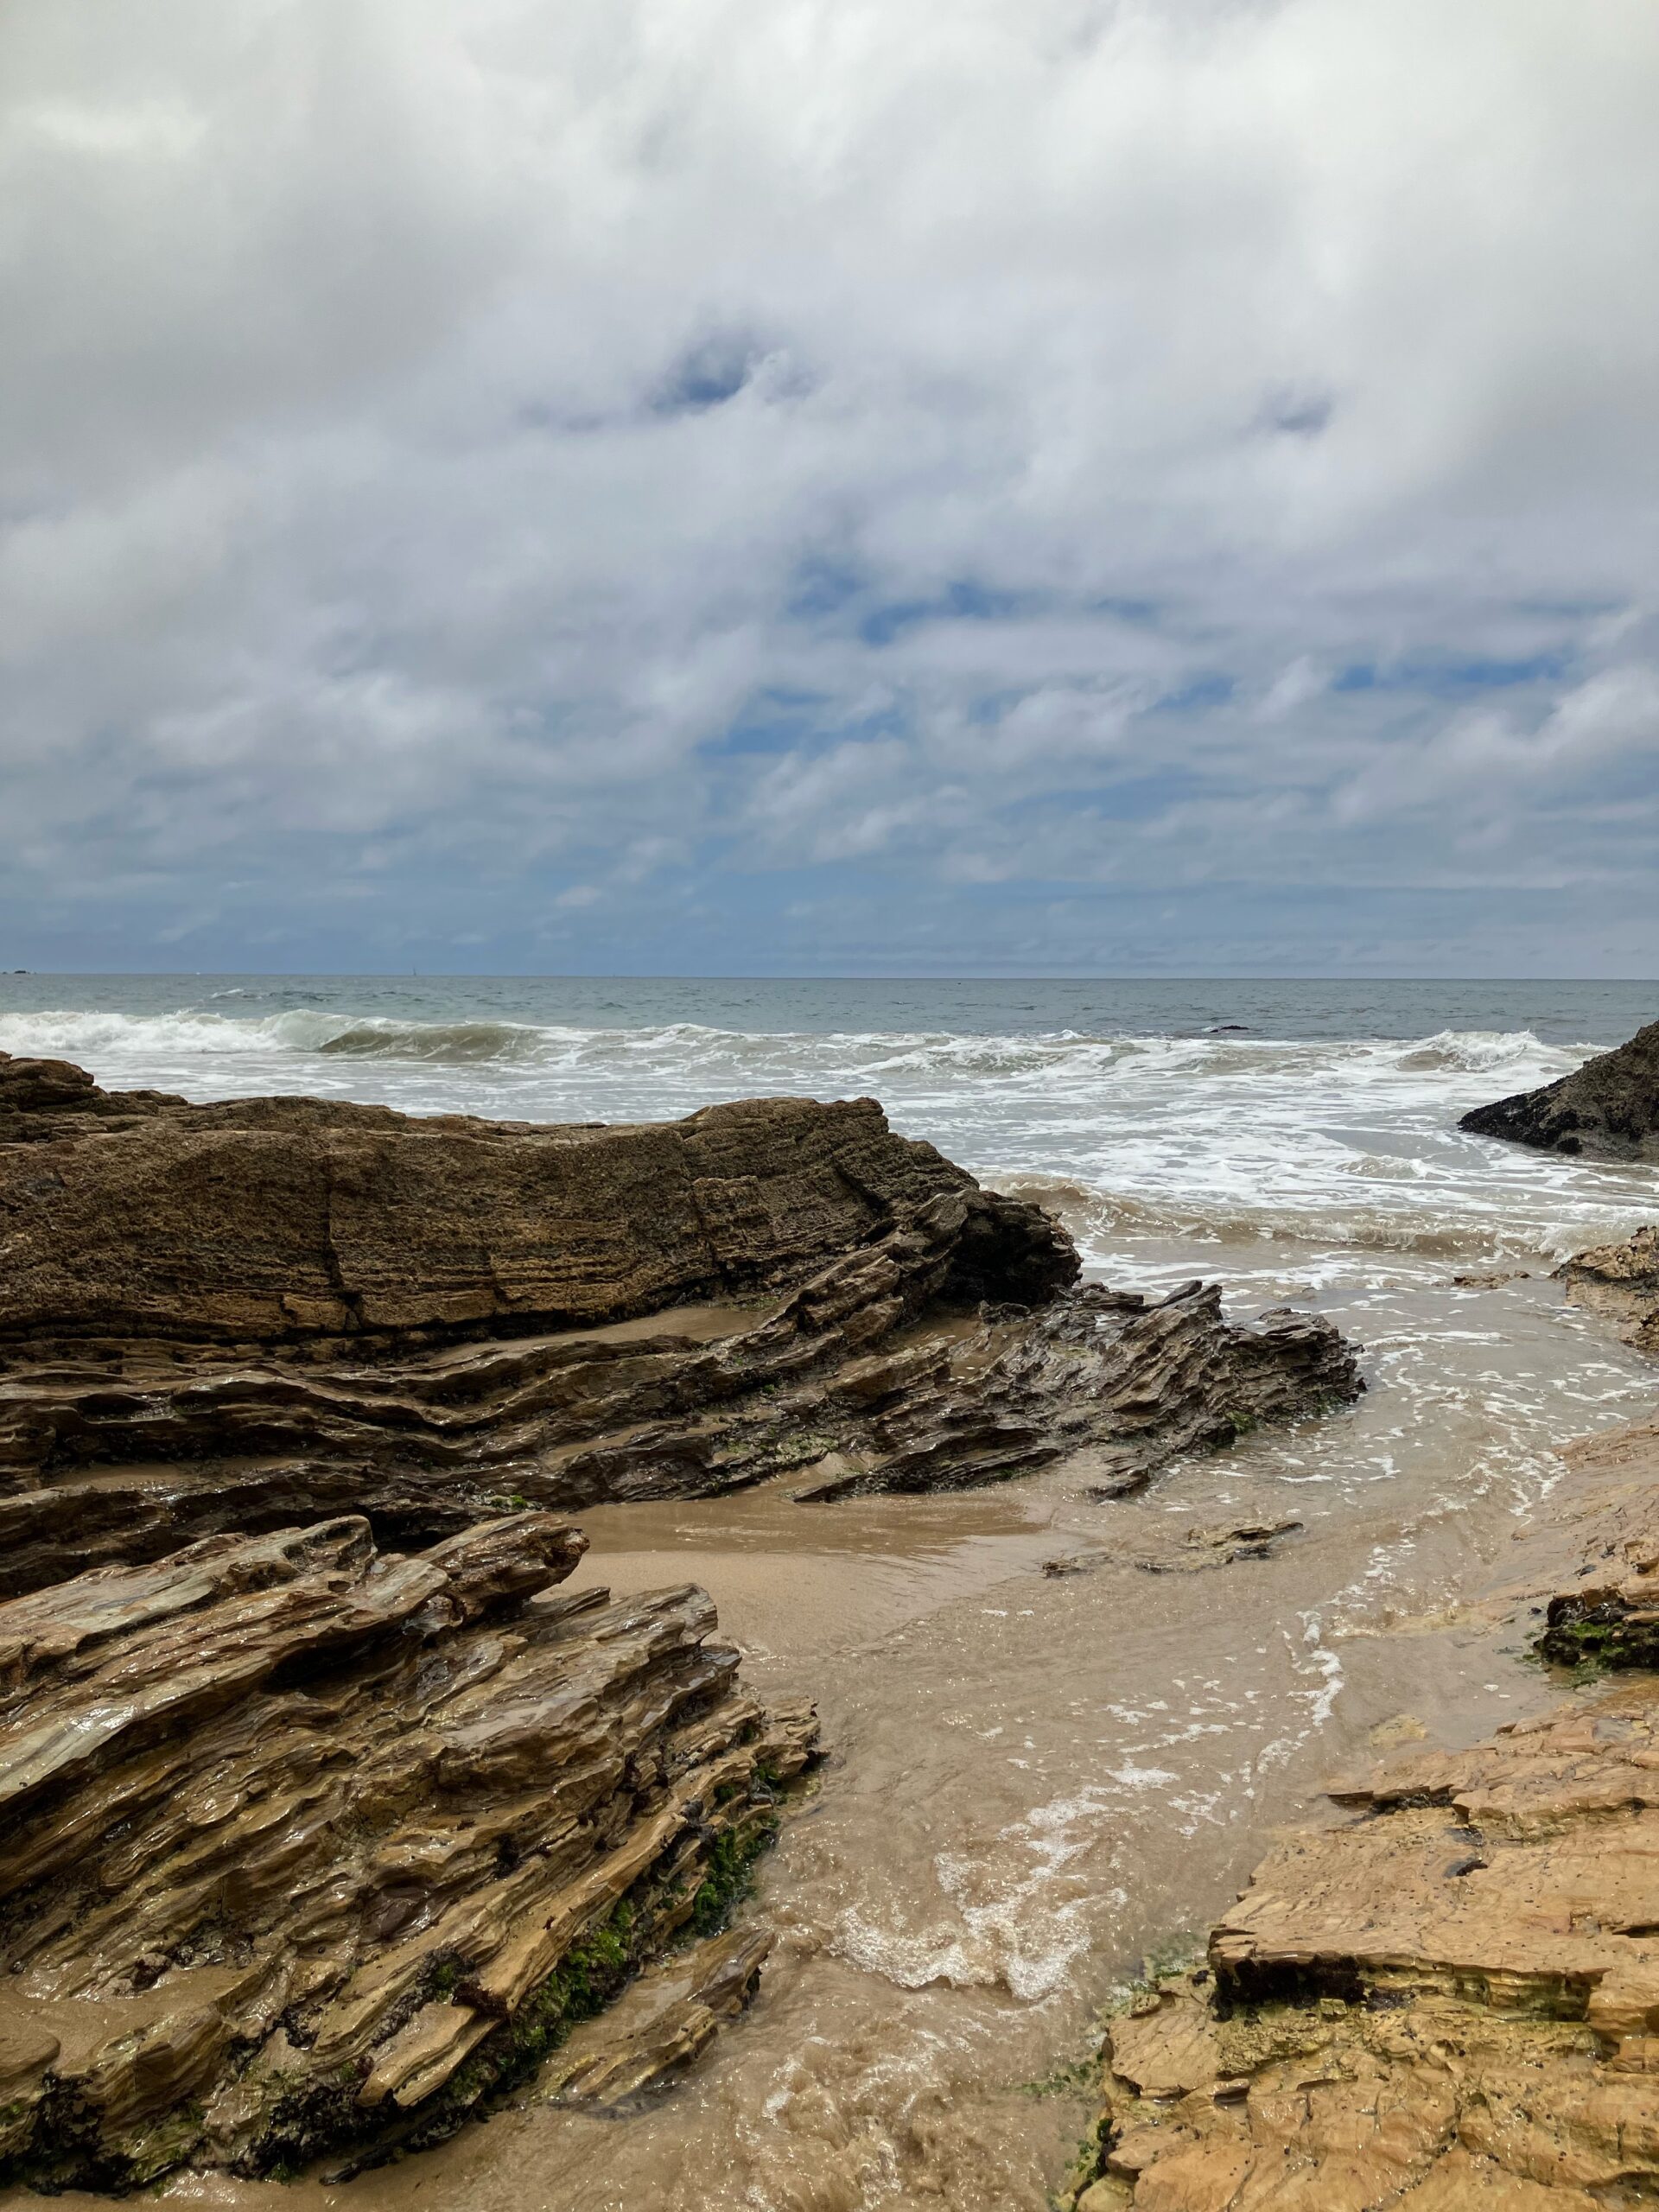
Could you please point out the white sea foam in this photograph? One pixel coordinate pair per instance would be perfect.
(1285, 1150)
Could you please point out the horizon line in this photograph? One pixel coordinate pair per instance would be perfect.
(642, 975)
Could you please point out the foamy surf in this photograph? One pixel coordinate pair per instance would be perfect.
(1302, 1147)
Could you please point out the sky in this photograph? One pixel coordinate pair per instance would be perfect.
(838, 486)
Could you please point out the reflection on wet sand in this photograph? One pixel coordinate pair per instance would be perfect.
(795, 1581)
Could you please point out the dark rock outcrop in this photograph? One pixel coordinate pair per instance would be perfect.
(1607, 1109)
(1130, 1380)
(305, 1846)
(243, 1316)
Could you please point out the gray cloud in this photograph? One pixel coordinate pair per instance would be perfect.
(642, 483)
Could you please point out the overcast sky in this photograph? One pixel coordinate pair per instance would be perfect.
(835, 486)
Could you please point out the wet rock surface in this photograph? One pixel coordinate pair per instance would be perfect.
(1621, 1282)
(1607, 1109)
(309, 1846)
(1450, 2000)
(239, 1317)
(1609, 1615)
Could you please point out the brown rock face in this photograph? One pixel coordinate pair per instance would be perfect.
(304, 1844)
(1607, 1109)
(280, 1309)
(285, 1222)
(1622, 1282)
(1451, 2002)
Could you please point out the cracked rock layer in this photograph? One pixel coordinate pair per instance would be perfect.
(243, 1316)
(307, 1845)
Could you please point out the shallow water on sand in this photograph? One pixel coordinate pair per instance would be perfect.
(1034, 1778)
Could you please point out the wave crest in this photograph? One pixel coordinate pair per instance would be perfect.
(865, 1057)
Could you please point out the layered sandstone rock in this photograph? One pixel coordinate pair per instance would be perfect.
(1620, 1281)
(291, 1222)
(241, 1316)
(1609, 1614)
(327, 1814)
(306, 1845)
(1449, 2002)
(1607, 1109)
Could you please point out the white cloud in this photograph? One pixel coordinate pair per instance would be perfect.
(434, 436)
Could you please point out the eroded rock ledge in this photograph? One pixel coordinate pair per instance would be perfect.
(1621, 1282)
(1607, 1109)
(247, 1315)
(1451, 2003)
(303, 1845)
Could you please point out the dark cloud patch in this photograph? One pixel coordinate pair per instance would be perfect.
(1294, 413)
(707, 374)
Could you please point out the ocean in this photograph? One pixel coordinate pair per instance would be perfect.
(1320, 1115)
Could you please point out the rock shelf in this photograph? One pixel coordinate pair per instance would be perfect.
(327, 1815)
(1621, 1282)
(1450, 2003)
(244, 1316)
(309, 1846)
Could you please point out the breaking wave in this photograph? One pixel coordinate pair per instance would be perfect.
(1260, 1144)
(1097, 1216)
(193, 1033)
(169, 1036)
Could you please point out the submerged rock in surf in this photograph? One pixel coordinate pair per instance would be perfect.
(1622, 1282)
(243, 1316)
(1607, 1109)
(311, 1846)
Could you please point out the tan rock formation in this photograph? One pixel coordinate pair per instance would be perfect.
(291, 1221)
(326, 1813)
(277, 1309)
(305, 1844)
(1622, 1282)
(1449, 2003)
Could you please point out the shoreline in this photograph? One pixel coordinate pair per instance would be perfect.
(1446, 1994)
(532, 2157)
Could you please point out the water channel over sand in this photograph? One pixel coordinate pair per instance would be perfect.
(1036, 1776)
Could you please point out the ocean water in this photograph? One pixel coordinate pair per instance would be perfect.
(1297, 1142)
(1317, 1114)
